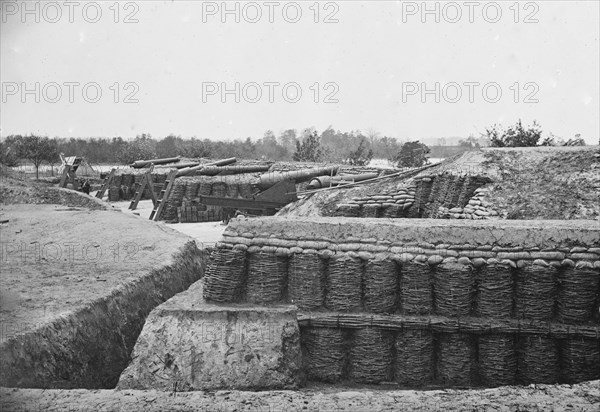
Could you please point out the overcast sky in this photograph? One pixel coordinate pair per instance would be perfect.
(360, 66)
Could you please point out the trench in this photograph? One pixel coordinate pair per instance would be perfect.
(89, 348)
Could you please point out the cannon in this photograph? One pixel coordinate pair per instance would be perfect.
(267, 202)
(231, 170)
(267, 180)
(187, 171)
(329, 181)
(138, 164)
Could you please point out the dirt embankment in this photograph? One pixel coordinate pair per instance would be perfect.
(545, 184)
(76, 286)
(16, 189)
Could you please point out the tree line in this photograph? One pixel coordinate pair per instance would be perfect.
(353, 147)
(308, 145)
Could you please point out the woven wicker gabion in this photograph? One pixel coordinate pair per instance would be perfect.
(127, 179)
(416, 296)
(370, 210)
(535, 292)
(159, 178)
(580, 360)
(456, 359)
(371, 356)
(324, 353)
(348, 210)
(393, 211)
(381, 286)
(538, 360)
(577, 293)
(125, 193)
(219, 189)
(191, 190)
(267, 274)
(114, 193)
(306, 280)
(232, 190)
(344, 283)
(497, 360)
(173, 202)
(225, 275)
(495, 291)
(454, 289)
(416, 209)
(453, 198)
(245, 190)
(414, 363)
(204, 188)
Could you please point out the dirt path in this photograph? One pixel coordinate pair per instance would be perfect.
(581, 397)
(205, 233)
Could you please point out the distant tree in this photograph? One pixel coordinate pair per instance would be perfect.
(195, 148)
(576, 141)
(309, 150)
(514, 136)
(141, 148)
(37, 149)
(170, 146)
(288, 139)
(412, 154)
(268, 148)
(8, 152)
(470, 142)
(362, 155)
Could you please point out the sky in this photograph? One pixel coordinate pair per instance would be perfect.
(409, 70)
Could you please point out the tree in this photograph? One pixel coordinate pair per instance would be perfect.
(361, 156)
(170, 146)
(412, 154)
(514, 136)
(37, 149)
(141, 148)
(8, 153)
(309, 150)
(470, 143)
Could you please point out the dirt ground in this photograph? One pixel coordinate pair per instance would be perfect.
(580, 397)
(57, 258)
(205, 233)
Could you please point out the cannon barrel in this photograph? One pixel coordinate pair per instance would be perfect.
(187, 171)
(138, 164)
(232, 170)
(269, 179)
(222, 162)
(327, 181)
(184, 165)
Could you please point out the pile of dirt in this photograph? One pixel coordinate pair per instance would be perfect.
(546, 184)
(18, 189)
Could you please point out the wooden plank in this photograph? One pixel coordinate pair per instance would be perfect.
(102, 191)
(163, 196)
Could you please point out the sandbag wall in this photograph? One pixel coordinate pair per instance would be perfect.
(407, 302)
(183, 203)
(425, 196)
(123, 185)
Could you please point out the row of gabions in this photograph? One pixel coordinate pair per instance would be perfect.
(421, 358)
(429, 194)
(349, 284)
